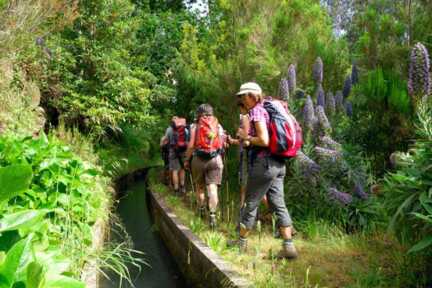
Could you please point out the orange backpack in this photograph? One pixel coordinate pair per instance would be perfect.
(208, 142)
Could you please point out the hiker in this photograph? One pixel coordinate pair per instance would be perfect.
(244, 124)
(178, 137)
(205, 148)
(164, 148)
(266, 172)
(243, 166)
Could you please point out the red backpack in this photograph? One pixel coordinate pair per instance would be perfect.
(286, 136)
(208, 142)
(180, 134)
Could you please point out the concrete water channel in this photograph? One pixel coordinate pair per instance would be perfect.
(161, 271)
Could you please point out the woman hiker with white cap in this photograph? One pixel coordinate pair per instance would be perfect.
(265, 174)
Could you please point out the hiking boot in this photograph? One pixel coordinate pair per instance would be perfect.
(241, 243)
(277, 234)
(212, 221)
(176, 192)
(288, 251)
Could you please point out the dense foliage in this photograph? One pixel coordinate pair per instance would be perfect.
(246, 40)
(49, 201)
(355, 73)
(409, 188)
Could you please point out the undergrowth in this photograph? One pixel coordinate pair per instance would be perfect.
(329, 257)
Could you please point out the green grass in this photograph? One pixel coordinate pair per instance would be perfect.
(328, 256)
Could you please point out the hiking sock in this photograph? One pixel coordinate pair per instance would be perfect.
(287, 242)
(242, 244)
(212, 220)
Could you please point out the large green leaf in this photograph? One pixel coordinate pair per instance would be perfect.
(54, 260)
(16, 260)
(60, 281)
(423, 244)
(35, 275)
(21, 220)
(14, 179)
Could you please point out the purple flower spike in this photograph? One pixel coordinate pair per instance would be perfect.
(327, 154)
(318, 68)
(292, 78)
(328, 143)
(308, 113)
(419, 81)
(308, 166)
(341, 197)
(320, 95)
(330, 104)
(324, 123)
(348, 108)
(347, 87)
(354, 74)
(339, 101)
(284, 89)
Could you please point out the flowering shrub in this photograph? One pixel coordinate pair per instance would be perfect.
(408, 190)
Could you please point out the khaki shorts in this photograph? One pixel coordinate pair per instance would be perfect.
(175, 160)
(207, 171)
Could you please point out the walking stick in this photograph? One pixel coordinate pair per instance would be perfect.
(226, 183)
(193, 188)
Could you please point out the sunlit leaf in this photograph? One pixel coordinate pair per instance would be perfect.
(21, 220)
(14, 179)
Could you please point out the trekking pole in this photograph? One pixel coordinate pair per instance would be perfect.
(226, 182)
(193, 188)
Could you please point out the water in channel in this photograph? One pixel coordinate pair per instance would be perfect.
(135, 215)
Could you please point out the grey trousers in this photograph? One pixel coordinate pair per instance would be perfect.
(266, 176)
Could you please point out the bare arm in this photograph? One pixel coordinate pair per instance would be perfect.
(262, 138)
(245, 128)
(245, 123)
(191, 145)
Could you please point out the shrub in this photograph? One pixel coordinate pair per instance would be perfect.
(54, 198)
(408, 190)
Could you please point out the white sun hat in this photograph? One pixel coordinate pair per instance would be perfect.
(249, 87)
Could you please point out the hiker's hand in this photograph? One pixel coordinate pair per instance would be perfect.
(187, 165)
(242, 134)
(232, 141)
(229, 139)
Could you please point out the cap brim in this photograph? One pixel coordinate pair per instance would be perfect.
(245, 92)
